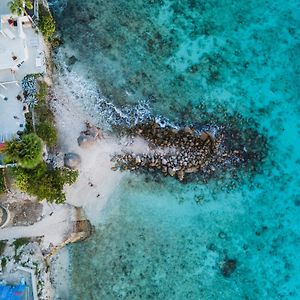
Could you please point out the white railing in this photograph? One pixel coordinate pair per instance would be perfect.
(36, 9)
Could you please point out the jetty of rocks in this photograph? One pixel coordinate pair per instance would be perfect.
(182, 151)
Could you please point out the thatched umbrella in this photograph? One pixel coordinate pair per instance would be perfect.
(72, 160)
(85, 141)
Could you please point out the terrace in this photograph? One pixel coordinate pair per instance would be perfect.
(12, 117)
(21, 53)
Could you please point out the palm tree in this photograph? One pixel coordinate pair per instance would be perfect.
(26, 152)
(19, 6)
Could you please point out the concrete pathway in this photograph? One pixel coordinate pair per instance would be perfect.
(54, 228)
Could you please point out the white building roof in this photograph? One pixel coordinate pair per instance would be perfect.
(13, 48)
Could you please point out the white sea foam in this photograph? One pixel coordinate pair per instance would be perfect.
(103, 112)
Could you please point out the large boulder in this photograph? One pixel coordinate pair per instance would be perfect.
(72, 160)
(93, 131)
(85, 141)
(3, 216)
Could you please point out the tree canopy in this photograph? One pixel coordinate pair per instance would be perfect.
(18, 6)
(26, 152)
(46, 23)
(44, 183)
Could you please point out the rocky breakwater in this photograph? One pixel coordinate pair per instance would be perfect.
(178, 152)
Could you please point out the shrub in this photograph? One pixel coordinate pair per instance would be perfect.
(2, 247)
(20, 242)
(45, 128)
(26, 152)
(44, 183)
(47, 132)
(42, 91)
(3, 263)
(2, 184)
(46, 23)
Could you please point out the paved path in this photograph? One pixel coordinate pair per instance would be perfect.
(54, 228)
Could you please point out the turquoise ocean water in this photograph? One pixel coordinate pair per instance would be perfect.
(158, 238)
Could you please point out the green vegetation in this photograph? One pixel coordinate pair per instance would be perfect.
(2, 247)
(45, 128)
(46, 23)
(47, 132)
(32, 174)
(18, 6)
(2, 185)
(45, 183)
(20, 242)
(26, 152)
(3, 263)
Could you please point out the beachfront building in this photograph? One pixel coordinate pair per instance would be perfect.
(21, 53)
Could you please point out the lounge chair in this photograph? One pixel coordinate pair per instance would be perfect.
(3, 97)
(38, 62)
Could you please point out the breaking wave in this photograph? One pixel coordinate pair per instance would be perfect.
(103, 112)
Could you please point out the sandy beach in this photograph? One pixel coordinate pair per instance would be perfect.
(96, 180)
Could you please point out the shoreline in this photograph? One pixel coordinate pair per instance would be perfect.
(96, 180)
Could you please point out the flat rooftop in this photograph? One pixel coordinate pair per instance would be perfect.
(12, 49)
(12, 118)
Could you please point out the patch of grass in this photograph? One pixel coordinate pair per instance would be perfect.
(48, 133)
(42, 92)
(45, 128)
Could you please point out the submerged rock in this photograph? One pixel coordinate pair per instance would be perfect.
(72, 60)
(228, 267)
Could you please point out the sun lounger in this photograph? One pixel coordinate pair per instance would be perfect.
(38, 62)
(3, 97)
(9, 34)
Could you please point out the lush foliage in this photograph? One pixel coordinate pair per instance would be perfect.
(2, 247)
(26, 152)
(47, 132)
(2, 185)
(18, 6)
(45, 128)
(3, 263)
(20, 242)
(46, 23)
(44, 183)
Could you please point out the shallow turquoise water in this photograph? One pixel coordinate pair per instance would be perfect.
(163, 240)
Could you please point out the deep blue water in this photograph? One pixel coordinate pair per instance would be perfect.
(161, 239)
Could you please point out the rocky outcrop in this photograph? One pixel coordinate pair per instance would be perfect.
(89, 136)
(192, 151)
(228, 267)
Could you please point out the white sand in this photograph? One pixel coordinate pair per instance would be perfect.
(96, 180)
(95, 166)
(54, 227)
